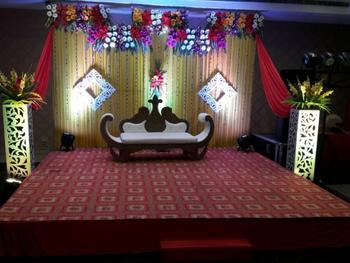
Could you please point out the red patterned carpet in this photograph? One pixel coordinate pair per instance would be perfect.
(235, 193)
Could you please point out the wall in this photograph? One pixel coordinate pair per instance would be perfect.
(22, 35)
(286, 43)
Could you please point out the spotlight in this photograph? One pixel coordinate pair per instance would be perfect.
(310, 59)
(67, 141)
(244, 143)
(344, 59)
(328, 59)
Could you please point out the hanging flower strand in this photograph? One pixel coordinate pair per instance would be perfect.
(157, 81)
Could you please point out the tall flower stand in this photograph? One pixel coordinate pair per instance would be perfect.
(302, 142)
(18, 133)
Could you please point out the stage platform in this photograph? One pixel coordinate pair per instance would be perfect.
(81, 202)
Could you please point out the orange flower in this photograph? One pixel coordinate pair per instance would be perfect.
(86, 13)
(241, 21)
(71, 13)
(137, 16)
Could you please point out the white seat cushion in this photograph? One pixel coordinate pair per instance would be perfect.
(156, 137)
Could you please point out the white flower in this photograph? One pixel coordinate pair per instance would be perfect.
(212, 13)
(129, 27)
(256, 15)
(54, 5)
(105, 45)
(189, 47)
(208, 19)
(127, 45)
(154, 22)
(109, 34)
(159, 22)
(115, 33)
(208, 49)
(153, 17)
(203, 48)
(183, 47)
(108, 10)
(191, 42)
(114, 39)
(188, 30)
(201, 37)
(207, 31)
(104, 15)
(261, 24)
(114, 27)
(132, 44)
(49, 13)
(202, 31)
(54, 15)
(207, 42)
(107, 40)
(202, 42)
(193, 31)
(124, 39)
(159, 16)
(261, 19)
(186, 41)
(53, 10)
(255, 25)
(109, 28)
(125, 33)
(129, 39)
(112, 44)
(153, 11)
(48, 7)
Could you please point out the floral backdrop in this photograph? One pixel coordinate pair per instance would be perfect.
(101, 33)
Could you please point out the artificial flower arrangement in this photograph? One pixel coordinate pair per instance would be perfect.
(157, 80)
(101, 33)
(19, 89)
(92, 20)
(309, 96)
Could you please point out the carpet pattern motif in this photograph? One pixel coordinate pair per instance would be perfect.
(87, 185)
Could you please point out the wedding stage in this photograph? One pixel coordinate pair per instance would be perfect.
(81, 202)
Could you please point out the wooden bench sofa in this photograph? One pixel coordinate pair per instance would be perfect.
(156, 131)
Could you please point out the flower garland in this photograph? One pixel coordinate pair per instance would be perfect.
(96, 23)
(92, 20)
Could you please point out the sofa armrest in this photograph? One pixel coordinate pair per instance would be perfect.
(208, 130)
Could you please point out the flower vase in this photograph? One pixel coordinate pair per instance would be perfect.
(18, 133)
(302, 142)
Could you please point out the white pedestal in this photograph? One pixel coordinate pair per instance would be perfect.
(18, 140)
(302, 142)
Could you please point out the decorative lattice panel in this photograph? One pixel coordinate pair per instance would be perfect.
(18, 140)
(302, 142)
(83, 86)
(217, 92)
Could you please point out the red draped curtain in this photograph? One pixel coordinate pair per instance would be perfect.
(274, 87)
(43, 69)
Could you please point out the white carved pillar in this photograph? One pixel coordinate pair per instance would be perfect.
(302, 142)
(18, 133)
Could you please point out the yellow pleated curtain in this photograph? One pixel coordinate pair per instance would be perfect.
(129, 73)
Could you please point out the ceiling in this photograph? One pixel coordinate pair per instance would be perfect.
(313, 11)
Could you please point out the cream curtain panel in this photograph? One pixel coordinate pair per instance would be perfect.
(129, 73)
